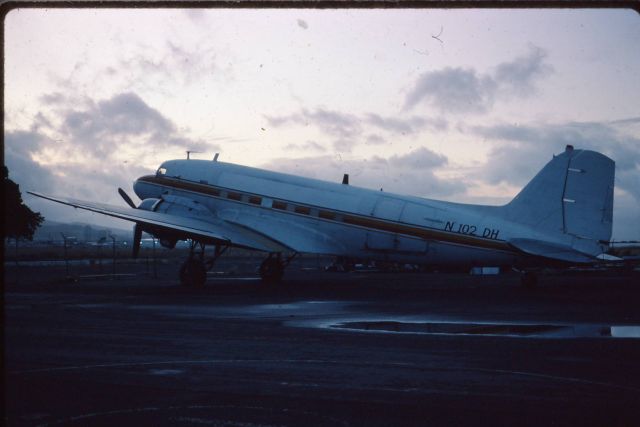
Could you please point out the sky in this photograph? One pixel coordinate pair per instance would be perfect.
(457, 105)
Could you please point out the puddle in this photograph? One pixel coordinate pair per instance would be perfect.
(300, 308)
(493, 329)
(164, 372)
(625, 331)
(288, 310)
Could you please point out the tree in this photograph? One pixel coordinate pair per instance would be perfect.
(19, 220)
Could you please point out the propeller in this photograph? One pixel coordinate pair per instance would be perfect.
(137, 229)
(137, 237)
(126, 198)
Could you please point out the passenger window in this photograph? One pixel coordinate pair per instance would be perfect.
(326, 215)
(279, 205)
(234, 196)
(255, 200)
(302, 210)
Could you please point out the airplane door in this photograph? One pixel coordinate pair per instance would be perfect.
(388, 209)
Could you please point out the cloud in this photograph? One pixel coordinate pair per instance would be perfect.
(374, 139)
(344, 128)
(20, 146)
(123, 114)
(52, 98)
(420, 158)
(517, 161)
(333, 123)
(406, 126)
(196, 16)
(520, 75)
(302, 24)
(625, 217)
(306, 146)
(627, 121)
(167, 67)
(348, 129)
(411, 173)
(453, 90)
(89, 149)
(101, 128)
(464, 90)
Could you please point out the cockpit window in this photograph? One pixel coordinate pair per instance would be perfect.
(161, 171)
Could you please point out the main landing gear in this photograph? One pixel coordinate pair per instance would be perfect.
(193, 272)
(272, 268)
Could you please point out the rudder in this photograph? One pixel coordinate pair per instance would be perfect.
(572, 194)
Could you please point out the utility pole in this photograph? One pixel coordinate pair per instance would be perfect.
(16, 250)
(101, 242)
(66, 259)
(114, 256)
(155, 272)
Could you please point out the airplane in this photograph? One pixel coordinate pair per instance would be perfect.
(562, 216)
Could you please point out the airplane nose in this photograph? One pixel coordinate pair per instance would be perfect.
(145, 189)
(138, 188)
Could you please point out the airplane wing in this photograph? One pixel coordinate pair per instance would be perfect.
(210, 228)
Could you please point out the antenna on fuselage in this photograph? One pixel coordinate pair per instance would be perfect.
(189, 153)
(215, 158)
(345, 179)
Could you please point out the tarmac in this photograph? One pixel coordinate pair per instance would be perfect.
(322, 348)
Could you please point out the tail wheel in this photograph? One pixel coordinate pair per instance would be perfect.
(193, 273)
(271, 270)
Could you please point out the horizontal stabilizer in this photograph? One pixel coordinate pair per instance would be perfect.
(550, 250)
(609, 258)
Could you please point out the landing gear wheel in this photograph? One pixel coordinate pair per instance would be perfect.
(529, 279)
(271, 270)
(193, 273)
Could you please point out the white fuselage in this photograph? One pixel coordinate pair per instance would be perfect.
(312, 216)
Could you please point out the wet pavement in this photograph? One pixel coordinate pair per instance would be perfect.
(331, 349)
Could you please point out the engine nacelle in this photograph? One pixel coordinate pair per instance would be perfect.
(150, 204)
(182, 206)
(173, 205)
(168, 243)
(176, 205)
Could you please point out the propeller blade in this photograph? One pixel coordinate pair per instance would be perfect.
(137, 237)
(126, 198)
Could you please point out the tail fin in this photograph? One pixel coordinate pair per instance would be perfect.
(572, 194)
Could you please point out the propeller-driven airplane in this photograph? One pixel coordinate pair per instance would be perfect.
(563, 215)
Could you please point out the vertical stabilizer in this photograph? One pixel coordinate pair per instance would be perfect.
(572, 194)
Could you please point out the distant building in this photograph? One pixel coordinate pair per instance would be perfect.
(88, 233)
(485, 271)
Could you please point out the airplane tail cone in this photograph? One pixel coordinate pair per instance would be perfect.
(137, 237)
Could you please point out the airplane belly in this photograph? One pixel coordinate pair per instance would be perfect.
(407, 244)
(450, 254)
(380, 241)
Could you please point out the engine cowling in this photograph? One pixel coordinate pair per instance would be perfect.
(174, 205)
(149, 204)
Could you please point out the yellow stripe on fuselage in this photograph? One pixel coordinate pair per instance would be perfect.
(367, 222)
